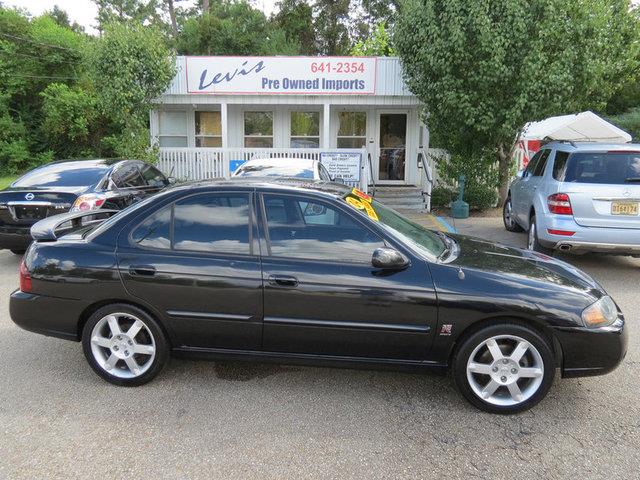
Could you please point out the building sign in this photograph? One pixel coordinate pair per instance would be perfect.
(281, 75)
(345, 166)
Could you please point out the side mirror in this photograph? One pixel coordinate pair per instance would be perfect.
(520, 173)
(389, 258)
(338, 180)
(172, 180)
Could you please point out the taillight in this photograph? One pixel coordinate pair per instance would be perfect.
(88, 202)
(25, 278)
(560, 204)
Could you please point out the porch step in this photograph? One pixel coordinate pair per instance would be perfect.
(402, 198)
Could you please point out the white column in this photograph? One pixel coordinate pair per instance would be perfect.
(326, 124)
(225, 141)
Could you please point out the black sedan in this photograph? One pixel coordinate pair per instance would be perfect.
(313, 272)
(72, 185)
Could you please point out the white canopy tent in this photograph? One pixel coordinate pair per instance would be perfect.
(578, 127)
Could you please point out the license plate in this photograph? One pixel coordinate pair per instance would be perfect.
(624, 208)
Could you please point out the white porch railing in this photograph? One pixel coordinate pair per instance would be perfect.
(189, 164)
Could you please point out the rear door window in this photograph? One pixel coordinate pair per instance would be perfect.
(602, 168)
(153, 177)
(213, 223)
(560, 165)
(128, 176)
(155, 230)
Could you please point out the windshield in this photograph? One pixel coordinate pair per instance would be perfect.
(411, 233)
(72, 174)
(612, 168)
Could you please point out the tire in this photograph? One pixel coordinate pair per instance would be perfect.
(128, 351)
(17, 251)
(532, 239)
(478, 368)
(510, 223)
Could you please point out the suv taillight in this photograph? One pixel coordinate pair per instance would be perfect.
(25, 278)
(560, 204)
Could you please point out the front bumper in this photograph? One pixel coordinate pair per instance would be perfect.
(592, 351)
(51, 316)
(621, 241)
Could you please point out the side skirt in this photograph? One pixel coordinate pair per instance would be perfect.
(310, 359)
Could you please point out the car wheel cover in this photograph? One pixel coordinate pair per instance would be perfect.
(122, 345)
(505, 379)
(508, 214)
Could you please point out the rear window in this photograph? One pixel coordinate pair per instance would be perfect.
(599, 167)
(63, 175)
(258, 170)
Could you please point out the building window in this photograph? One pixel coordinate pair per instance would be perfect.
(208, 129)
(173, 129)
(352, 130)
(258, 129)
(305, 129)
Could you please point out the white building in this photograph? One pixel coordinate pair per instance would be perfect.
(346, 111)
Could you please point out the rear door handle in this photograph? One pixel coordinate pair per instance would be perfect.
(283, 281)
(142, 270)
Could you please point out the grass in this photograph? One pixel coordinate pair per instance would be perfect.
(6, 181)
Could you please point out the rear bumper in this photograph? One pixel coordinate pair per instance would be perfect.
(51, 316)
(592, 351)
(623, 241)
(17, 238)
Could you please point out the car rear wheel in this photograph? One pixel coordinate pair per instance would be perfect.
(532, 239)
(124, 345)
(508, 217)
(506, 368)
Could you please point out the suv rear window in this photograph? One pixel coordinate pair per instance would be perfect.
(600, 167)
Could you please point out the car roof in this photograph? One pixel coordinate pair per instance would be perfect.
(593, 146)
(285, 184)
(281, 162)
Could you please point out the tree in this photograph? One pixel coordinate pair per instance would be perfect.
(129, 66)
(331, 26)
(371, 13)
(377, 45)
(234, 28)
(295, 18)
(484, 69)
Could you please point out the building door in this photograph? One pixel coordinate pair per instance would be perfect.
(391, 147)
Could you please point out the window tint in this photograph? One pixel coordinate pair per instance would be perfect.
(542, 163)
(560, 165)
(153, 177)
(216, 223)
(127, 176)
(532, 164)
(154, 232)
(603, 167)
(305, 228)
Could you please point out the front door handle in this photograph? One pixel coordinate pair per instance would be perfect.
(142, 270)
(283, 281)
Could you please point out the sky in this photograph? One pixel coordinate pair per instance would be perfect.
(84, 11)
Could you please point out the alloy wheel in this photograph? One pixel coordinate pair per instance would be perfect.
(123, 345)
(505, 379)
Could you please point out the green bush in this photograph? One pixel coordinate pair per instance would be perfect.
(442, 196)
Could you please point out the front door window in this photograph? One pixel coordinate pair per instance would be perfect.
(393, 145)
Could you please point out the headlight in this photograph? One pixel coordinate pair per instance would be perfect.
(601, 313)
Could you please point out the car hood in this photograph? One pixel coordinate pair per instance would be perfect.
(518, 263)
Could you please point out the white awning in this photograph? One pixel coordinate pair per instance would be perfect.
(579, 127)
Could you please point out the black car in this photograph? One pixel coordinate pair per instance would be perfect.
(315, 273)
(72, 185)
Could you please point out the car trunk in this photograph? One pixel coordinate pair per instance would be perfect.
(604, 188)
(26, 206)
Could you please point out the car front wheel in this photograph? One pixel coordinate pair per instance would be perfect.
(124, 345)
(508, 217)
(506, 368)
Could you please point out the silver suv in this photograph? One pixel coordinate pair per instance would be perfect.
(578, 197)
